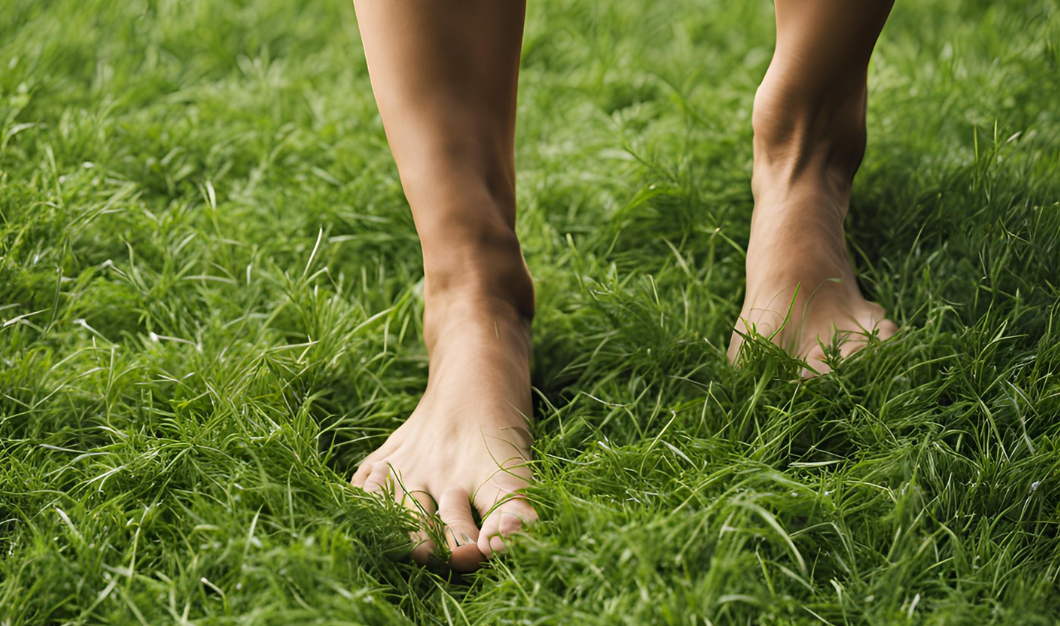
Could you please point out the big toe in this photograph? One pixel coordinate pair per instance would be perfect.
(454, 510)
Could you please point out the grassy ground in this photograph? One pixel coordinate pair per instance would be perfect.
(210, 308)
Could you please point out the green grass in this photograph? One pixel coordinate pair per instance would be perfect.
(210, 308)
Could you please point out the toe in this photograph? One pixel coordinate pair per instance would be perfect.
(421, 505)
(882, 329)
(454, 510)
(377, 477)
(815, 363)
(362, 473)
(886, 329)
(509, 517)
(852, 345)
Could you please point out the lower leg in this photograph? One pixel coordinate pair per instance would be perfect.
(809, 124)
(444, 76)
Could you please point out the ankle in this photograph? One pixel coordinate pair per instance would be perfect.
(489, 299)
(465, 217)
(478, 262)
(807, 136)
(489, 269)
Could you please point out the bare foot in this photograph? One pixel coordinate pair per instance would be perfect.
(468, 441)
(801, 289)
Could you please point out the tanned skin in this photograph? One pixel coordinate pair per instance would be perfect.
(444, 73)
(809, 138)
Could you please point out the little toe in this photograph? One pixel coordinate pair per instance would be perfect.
(886, 329)
(377, 478)
(852, 345)
(815, 363)
(361, 475)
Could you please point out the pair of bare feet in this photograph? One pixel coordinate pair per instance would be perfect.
(466, 446)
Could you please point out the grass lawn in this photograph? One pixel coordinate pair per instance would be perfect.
(210, 301)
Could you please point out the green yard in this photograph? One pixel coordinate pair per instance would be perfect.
(210, 299)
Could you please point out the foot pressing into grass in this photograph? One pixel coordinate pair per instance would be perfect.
(467, 443)
(801, 288)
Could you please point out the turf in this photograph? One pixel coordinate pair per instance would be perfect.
(210, 299)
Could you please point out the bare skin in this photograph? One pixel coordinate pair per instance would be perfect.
(447, 456)
(444, 76)
(809, 125)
